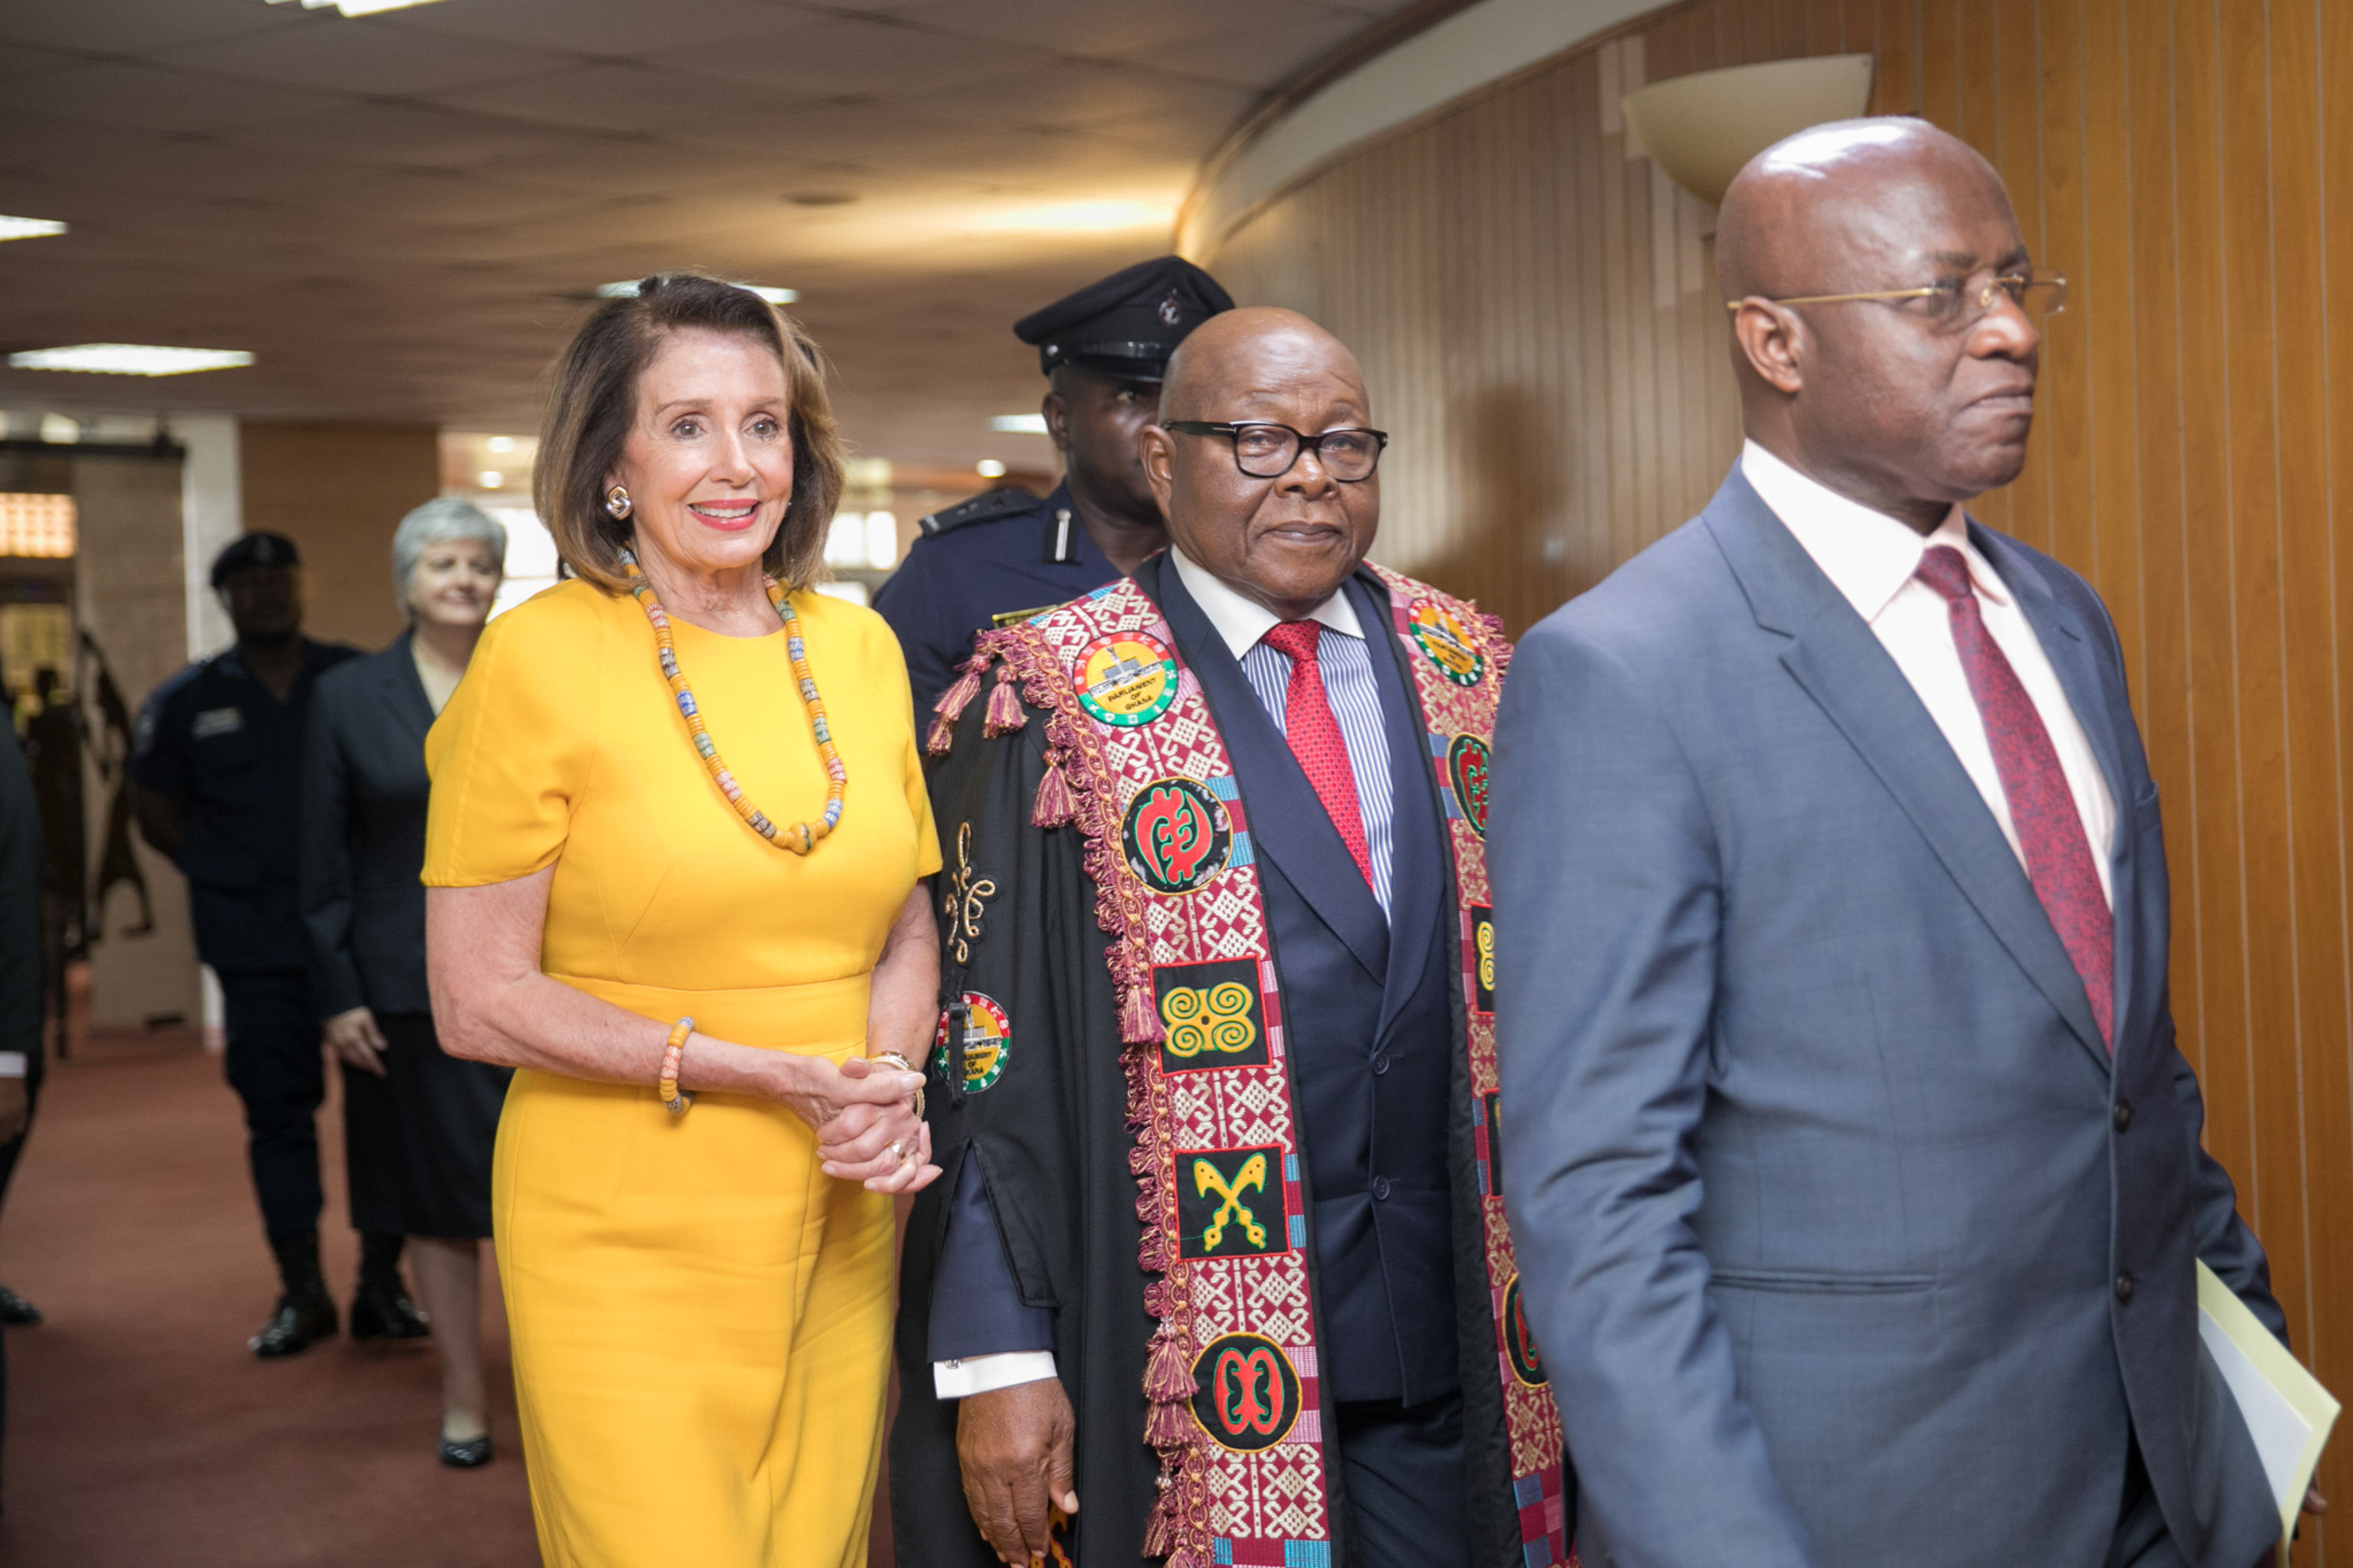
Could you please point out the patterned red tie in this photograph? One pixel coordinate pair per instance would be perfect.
(2041, 807)
(1314, 736)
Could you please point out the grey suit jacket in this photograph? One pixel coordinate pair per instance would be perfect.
(1845, 1241)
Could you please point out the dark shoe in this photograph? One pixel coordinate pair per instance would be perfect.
(298, 1320)
(386, 1312)
(14, 1308)
(470, 1455)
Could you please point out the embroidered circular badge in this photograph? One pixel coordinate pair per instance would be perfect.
(1519, 1345)
(988, 1038)
(1466, 764)
(1174, 835)
(1447, 641)
(1245, 1391)
(1126, 680)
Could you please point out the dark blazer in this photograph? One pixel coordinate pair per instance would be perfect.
(1846, 1239)
(1367, 1020)
(364, 795)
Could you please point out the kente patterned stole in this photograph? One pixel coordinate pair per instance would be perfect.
(1135, 760)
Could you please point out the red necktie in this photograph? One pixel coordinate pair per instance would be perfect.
(2041, 807)
(1314, 736)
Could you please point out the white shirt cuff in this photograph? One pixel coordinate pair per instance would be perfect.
(987, 1373)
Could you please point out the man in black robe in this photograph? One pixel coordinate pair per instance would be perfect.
(1025, 1321)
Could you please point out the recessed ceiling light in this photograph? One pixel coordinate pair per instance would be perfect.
(989, 469)
(28, 227)
(629, 290)
(490, 480)
(356, 7)
(1022, 424)
(129, 359)
(500, 443)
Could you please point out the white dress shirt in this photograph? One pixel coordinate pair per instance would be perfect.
(1870, 557)
(1242, 623)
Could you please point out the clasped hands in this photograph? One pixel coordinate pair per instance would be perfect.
(864, 1113)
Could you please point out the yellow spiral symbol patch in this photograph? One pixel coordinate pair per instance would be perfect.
(1486, 956)
(1213, 1019)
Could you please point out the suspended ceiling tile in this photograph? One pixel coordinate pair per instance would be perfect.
(1265, 58)
(606, 97)
(363, 55)
(122, 26)
(610, 27)
(19, 60)
(1135, 29)
(844, 54)
(405, 135)
(155, 99)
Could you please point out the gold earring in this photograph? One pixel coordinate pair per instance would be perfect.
(617, 502)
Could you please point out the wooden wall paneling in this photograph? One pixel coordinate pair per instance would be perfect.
(2325, 1339)
(2212, 849)
(2252, 352)
(2069, 389)
(2105, 301)
(2307, 626)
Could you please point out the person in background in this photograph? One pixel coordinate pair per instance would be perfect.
(419, 1123)
(1005, 555)
(714, 1008)
(53, 757)
(217, 765)
(20, 959)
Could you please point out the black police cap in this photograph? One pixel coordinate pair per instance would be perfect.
(1126, 324)
(253, 549)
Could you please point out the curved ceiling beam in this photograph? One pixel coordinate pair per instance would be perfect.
(1478, 45)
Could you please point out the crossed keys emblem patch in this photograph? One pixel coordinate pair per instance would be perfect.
(1230, 1202)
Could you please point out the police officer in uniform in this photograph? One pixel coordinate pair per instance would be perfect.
(1005, 555)
(217, 766)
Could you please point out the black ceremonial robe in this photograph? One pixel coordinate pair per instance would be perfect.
(1052, 1146)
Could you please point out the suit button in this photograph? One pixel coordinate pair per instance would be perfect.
(2123, 1117)
(1380, 1189)
(2124, 1287)
(1380, 1063)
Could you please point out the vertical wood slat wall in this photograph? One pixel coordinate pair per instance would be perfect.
(1536, 309)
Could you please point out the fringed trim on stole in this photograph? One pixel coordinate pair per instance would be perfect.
(1004, 714)
(1078, 788)
(952, 704)
(1499, 647)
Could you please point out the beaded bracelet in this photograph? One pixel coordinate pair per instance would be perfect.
(674, 1098)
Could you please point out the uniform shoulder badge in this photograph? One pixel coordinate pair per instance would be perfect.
(985, 507)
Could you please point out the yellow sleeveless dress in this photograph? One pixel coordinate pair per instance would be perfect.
(700, 1318)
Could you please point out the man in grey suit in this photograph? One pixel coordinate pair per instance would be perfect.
(1852, 1166)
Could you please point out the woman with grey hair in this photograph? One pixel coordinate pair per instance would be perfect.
(418, 1123)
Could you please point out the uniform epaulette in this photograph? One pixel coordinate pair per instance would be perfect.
(985, 507)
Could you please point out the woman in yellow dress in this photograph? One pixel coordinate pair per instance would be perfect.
(673, 866)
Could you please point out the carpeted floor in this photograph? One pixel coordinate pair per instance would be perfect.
(141, 1431)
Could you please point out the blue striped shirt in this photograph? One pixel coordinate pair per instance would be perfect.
(1349, 691)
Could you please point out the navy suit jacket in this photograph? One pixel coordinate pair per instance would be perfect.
(1846, 1239)
(1368, 1025)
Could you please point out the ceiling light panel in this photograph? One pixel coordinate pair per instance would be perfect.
(28, 227)
(129, 359)
(356, 7)
(629, 291)
(1025, 424)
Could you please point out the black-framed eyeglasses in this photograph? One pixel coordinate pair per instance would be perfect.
(1954, 304)
(1267, 451)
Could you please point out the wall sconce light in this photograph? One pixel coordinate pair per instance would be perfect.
(1703, 128)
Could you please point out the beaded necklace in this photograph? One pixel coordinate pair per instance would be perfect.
(801, 836)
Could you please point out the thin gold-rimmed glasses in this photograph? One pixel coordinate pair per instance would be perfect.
(1955, 304)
